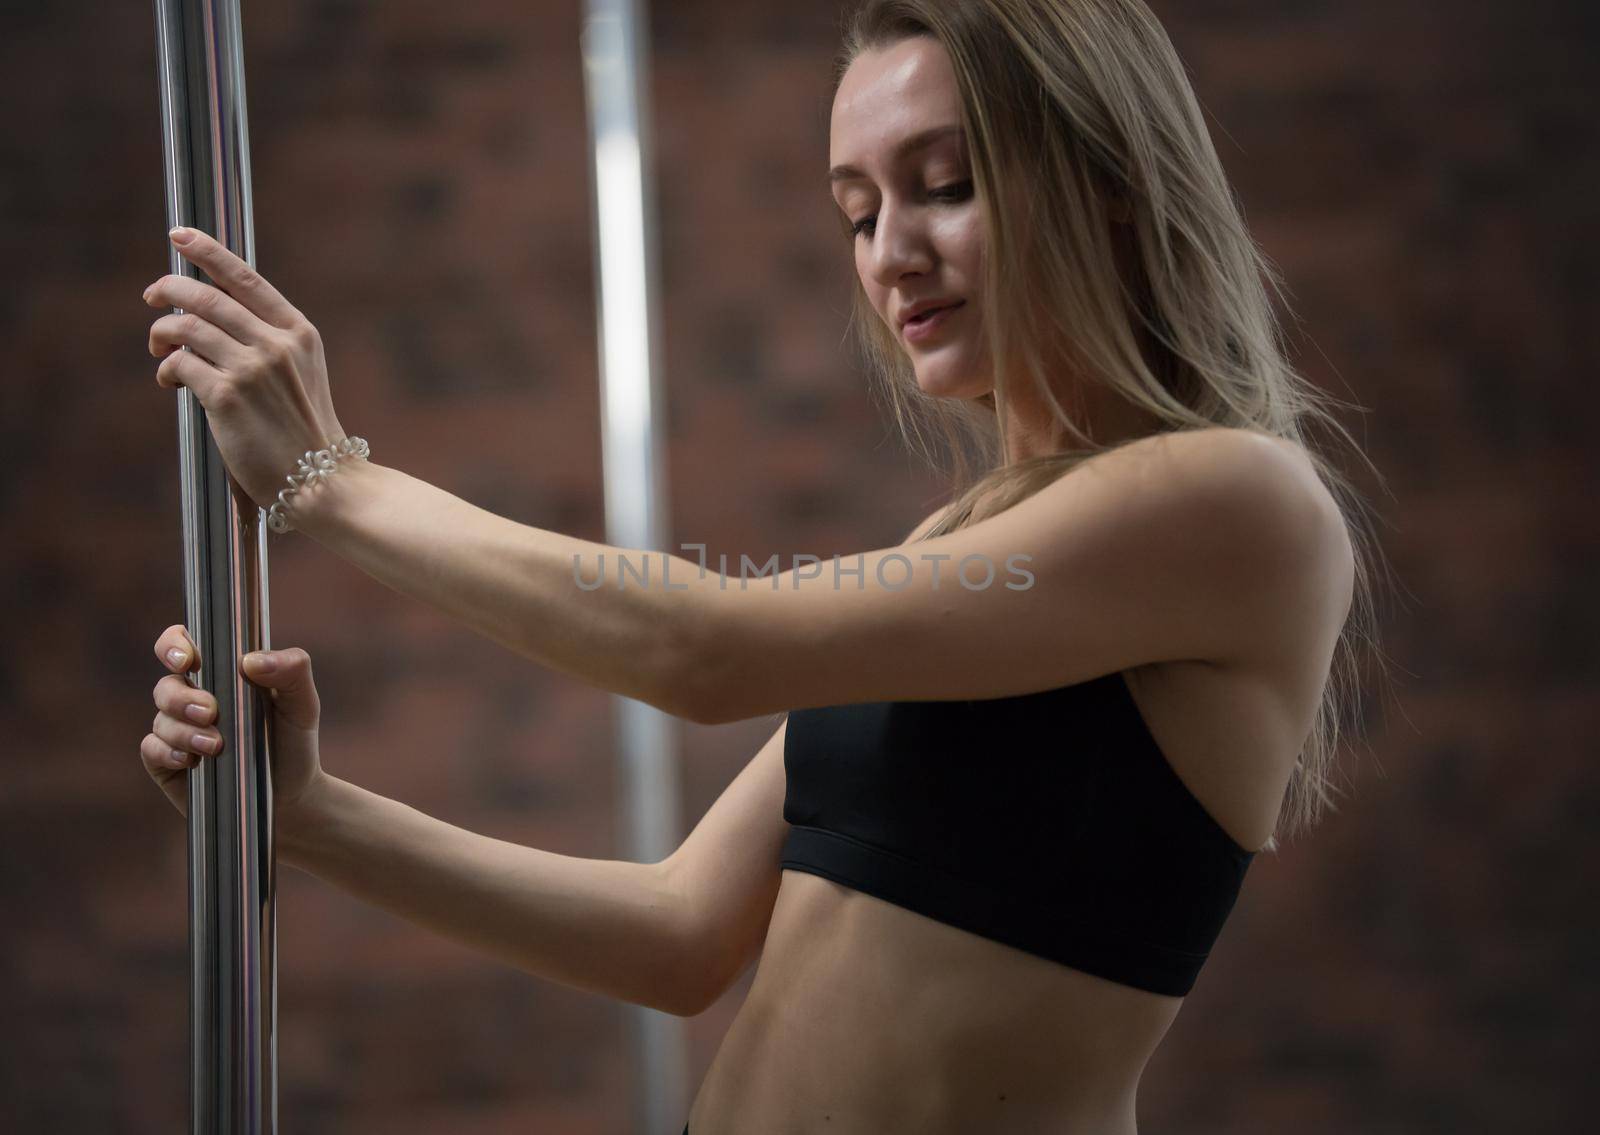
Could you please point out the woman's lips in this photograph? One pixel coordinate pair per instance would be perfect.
(929, 323)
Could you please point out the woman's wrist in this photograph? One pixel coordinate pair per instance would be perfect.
(297, 821)
(319, 508)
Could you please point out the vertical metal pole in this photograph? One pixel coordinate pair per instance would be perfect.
(635, 483)
(233, 1005)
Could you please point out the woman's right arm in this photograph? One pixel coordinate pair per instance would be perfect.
(621, 929)
(611, 927)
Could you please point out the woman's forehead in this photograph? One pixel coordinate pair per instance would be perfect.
(888, 96)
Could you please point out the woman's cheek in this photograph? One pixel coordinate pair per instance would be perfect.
(969, 242)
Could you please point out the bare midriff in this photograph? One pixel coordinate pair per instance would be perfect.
(867, 1019)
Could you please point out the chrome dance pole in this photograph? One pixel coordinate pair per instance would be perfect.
(233, 1005)
(617, 86)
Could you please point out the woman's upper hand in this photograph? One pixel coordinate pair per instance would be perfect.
(186, 717)
(254, 362)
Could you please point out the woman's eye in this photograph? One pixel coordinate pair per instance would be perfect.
(955, 191)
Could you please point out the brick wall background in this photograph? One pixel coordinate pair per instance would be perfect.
(1424, 173)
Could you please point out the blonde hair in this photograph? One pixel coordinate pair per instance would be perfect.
(1080, 118)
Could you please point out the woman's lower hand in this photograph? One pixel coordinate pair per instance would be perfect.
(254, 362)
(185, 728)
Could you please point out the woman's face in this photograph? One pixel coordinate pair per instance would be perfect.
(900, 174)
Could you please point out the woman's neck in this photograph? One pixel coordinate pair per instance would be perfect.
(1107, 419)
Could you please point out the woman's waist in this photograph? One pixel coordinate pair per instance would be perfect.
(847, 981)
(787, 1068)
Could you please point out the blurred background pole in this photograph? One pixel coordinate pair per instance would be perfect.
(617, 87)
(233, 1005)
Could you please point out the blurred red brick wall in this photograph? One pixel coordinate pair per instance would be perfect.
(1423, 172)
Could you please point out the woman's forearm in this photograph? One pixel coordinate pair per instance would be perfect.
(604, 926)
(513, 582)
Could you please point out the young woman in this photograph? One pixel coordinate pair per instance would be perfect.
(988, 850)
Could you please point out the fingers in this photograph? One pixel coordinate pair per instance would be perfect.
(288, 672)
(176, 638)
(174, 332)
(246, 290)
(210, 304)
(222, 335)
(185, 368)
(174, 695)
(186, 715)
(184, 710)
(184, 737)
(183, 716)
(160, 758)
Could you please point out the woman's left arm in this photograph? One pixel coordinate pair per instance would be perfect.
(1210, 546)
(514, 583)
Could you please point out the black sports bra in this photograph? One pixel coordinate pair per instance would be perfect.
(1050, 821)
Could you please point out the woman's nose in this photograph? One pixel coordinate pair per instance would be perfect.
(899, 246)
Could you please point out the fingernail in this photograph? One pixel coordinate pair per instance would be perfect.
(261, 663)
(176, 656)
(181, 235)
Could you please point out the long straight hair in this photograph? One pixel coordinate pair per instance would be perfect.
(1121, 256)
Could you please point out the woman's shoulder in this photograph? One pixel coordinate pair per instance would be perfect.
(925, 525)
(1241, 465)
(1235, 461)
(1255, 491)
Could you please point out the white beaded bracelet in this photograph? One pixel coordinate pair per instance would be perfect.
(312, 467)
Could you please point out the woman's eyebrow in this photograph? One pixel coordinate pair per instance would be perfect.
(915, 142)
